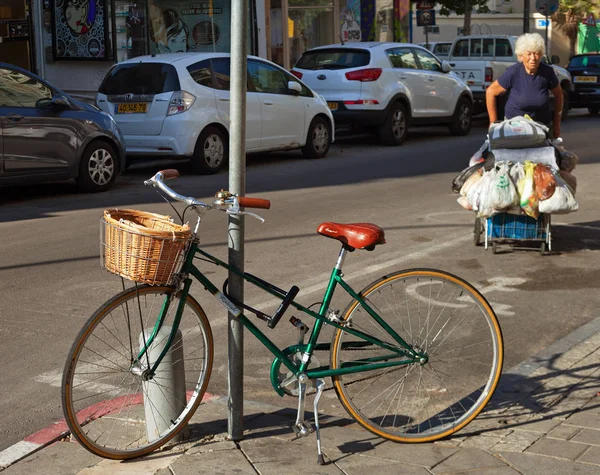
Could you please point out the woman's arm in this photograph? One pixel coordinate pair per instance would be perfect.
(491, 94)
(558, 106)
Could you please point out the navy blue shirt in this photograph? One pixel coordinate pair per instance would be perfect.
(529, 92)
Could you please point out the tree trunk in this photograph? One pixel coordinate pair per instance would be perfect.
(467, 23)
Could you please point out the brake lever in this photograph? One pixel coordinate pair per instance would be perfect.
(235, 209)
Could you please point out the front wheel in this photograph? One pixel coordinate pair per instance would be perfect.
(109, 399)
(97, 168)
(454, 329)
(211, 152)
(462, 118)
(318, 139)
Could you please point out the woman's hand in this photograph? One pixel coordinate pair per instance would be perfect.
(491, 94)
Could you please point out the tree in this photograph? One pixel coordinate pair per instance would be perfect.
(463, 7)
(570, 14)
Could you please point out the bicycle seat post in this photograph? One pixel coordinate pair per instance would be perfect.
(341, 257)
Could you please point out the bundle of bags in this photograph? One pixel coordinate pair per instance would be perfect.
(518, 170)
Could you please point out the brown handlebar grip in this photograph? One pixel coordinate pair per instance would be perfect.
(254, 203)
(169, 173)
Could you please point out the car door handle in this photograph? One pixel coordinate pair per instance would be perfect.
(402, 77)
(224, 99)
(452, 64)
(269, 103)
(430, 79)
(14, 117)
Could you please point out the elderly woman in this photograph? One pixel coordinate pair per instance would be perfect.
(528, 81)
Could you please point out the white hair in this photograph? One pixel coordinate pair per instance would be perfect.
(530, 42)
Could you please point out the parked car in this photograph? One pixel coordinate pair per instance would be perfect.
(585, 69)
(47, 135)
(440, 48)
(178, 105)
(387, 87)
(481, 59)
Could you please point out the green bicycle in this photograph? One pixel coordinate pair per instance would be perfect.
(415, 356)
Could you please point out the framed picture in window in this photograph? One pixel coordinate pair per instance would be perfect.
(80, 30)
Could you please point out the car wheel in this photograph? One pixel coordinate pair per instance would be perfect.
(462, 118)
(395, 128)
(211, 152)
(565, 109)
(98, 167)
(594, 109)
(318, 139)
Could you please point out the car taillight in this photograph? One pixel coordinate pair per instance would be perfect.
(489, 75)
(362, 102)
(364, 75)
(296, 73)
(180, 102)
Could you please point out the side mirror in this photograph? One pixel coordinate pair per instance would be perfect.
(555, 59)
(60, 102)
(293, 86)
(446, 66)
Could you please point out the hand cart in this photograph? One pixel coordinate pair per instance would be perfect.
(508, 228)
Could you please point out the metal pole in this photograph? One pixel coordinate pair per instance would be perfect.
(525, 16)
(546, 38)
(237, 185)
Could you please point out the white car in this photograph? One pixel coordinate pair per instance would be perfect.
(178, 105)
(387, 87)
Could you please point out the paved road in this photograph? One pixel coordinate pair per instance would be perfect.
(51, 280)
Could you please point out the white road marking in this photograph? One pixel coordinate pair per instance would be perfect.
(16, 452)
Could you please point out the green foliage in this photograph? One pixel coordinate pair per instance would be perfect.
(458, 6)
(579, 7)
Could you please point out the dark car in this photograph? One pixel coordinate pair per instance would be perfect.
(45, 135)
(585, 69)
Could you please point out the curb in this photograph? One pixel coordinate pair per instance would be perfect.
(56, 431)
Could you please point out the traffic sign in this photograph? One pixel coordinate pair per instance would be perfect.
(590, 20)
(425, 5)
(425, 17)
(546, 7)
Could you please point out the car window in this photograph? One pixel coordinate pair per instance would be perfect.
(140, 78)
(334, 58)
(428, 61)
(306, 92)
(267, 78)
(402, 58)
(461, 49)
(222, 70)
(585, 62)
(503, 47)
(20, 90)
(488, 47)
(201, 72)
(476, 48)
(442, 48)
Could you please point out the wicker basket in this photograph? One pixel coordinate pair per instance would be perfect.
(140, 246)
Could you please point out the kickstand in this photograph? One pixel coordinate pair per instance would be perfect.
(320, 386)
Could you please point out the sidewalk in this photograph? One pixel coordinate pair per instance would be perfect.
(543, 419)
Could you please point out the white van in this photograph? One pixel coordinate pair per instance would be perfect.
(440, 48)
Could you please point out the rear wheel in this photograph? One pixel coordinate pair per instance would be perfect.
(395, 128)
(318, 139)
(594, 109)
(440, 316)
(98, 167)
(211, 152)
(104, 386)
(462, 118)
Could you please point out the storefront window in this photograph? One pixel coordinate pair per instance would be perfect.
(310, 24)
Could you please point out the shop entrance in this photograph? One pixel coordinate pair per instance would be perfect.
(16, 34)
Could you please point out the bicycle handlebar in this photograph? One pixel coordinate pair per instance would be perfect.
(254, 203)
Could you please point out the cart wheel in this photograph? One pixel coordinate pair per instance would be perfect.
(495, 247)
(543, 249)
(477, 232)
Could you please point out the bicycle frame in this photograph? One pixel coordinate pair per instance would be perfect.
(400, 355)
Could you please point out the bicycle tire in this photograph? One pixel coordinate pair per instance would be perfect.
(103, 400)
(435, 408)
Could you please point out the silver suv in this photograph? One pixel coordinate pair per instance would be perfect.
(387, 87)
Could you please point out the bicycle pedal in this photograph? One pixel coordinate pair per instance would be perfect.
(303, 429)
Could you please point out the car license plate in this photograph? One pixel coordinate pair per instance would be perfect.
(332, 106)
(135, 108)
(585, 79)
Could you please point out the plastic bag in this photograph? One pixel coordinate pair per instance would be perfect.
(503, 192)
(570, 180)
(518, 132)
(544, 182)
(464, 202)
(471, 181)
(561, 202)
(528, 197)
(487, 188)
(568, 160)
(474, 192)
(517, 175)
(460, 179)
(480, 155)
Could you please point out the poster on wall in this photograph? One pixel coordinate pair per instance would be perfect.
(79, 30)
(350, 22)
(177, 26)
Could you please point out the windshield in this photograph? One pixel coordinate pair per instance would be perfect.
(334, 58)
(585, 62)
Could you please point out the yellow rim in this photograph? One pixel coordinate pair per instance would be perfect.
(123, 455)
(369, 426)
